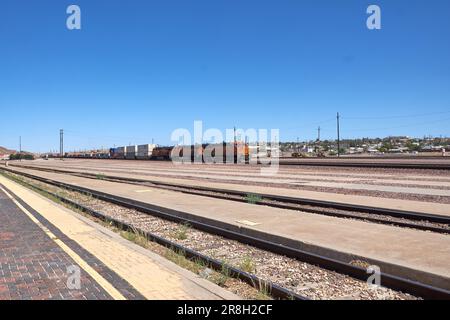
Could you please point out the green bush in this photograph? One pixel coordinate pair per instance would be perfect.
(253, 198)
(18, 156)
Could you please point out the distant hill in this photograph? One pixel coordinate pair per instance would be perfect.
(6, 151)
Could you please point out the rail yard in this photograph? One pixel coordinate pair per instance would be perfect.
(307, 232)
(225, 159)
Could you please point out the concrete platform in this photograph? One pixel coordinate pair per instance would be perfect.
(411, 187)
(418, 255)
(248, 170)
(387, 203)
(112, 267)
(421, 185)
(369, 187)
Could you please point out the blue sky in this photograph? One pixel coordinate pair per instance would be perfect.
(137, 70)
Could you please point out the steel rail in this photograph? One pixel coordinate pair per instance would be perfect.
(224, 195)
(376, 157)
(342, 162)
(411, 215)
(389, 165)
(274, 290)
(390, 281)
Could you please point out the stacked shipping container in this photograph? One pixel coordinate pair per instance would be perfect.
(144, 151)
(131, 152)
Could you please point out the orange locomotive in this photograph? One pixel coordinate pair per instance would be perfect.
(237, 152)
(161, 153)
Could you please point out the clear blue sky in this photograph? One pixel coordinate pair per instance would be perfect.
(139, 69)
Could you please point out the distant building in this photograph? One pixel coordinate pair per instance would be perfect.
(353, 150)
(429, 148)
(398, 150)
(307, 149)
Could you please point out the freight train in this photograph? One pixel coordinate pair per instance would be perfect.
(87, 154)
(234, 152)
(220, 153)
(213, 153)
(237, 152)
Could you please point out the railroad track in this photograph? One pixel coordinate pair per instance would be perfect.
(383, 165)
(274, 290)
(342, 162)
(390, 281)
(401, 218)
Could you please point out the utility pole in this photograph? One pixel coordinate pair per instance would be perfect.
(317, 144)
(338, 136)
(234, 135)
(61, 143)
(20, 148)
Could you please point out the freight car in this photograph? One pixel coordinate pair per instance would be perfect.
(213, 153)
(194, 153)
(131, 152)
(161, 153)
(116, 153)
(236, 152)
(144, 151)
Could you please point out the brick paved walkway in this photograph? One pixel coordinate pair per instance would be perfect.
(33, 266)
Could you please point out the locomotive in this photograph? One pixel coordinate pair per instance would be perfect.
(205, 153)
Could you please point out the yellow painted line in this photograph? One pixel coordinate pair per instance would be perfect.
(109, 288)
